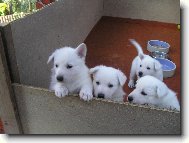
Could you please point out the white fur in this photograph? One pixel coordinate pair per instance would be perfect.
(108, 76)
(157, 93)
(145, 64)
(75, 79)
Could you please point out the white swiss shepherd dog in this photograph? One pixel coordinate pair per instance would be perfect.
(150, 90)
(108, 83)
(70, 75)
(143, 65)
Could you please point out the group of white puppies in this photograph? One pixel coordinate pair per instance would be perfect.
(70, 75)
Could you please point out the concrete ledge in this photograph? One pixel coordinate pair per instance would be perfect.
(43, 113)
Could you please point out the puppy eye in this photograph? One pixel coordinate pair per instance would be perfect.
(148, 68)
(97, 82)
(143, 93)
(56, 65)
(110, 85)
(140, 65)
(69, 66)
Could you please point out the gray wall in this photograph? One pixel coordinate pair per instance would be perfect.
(41, 112)
(154, 10)
(64, 23)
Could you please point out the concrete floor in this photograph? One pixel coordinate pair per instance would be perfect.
(108, 45)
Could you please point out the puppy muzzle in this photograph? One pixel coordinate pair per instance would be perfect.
(130, 99)
(140, 74)
(100, 95)
(60, 78)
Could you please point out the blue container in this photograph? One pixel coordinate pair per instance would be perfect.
(168, 67)
(156, 45)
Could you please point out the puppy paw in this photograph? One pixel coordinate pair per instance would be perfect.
(61, 91)
(86, 95)
(131, 84)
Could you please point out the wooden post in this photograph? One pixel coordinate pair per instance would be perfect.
(8, 108)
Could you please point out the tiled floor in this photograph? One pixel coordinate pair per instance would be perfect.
(108, 44)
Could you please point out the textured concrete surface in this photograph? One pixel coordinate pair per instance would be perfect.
(43, 113)
(8, 108)
(10, 53)
(153, 10)
(35, 37)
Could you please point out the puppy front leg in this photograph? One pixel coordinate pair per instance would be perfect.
(131, 83)
(86, 92)
(60, 90)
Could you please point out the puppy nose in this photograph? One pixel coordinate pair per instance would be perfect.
(100, 95)
(59, 78)
(130, 98)
(140, 74)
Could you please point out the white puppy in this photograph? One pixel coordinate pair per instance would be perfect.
(69, 73)
(144, 65)
(150, 90)
(108, 83)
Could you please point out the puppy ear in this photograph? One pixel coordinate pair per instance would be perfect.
(121, 77)
(94, 70)
(81, 50)
(157, 65)
(162, 90)
(51, 57)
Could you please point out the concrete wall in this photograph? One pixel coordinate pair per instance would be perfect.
(8, 109)
(154, 10)
(43, 113)
(64, 23)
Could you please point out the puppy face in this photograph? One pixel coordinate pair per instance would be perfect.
(106, 81)
(68, 62)
(147, 66)
(149, 90)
